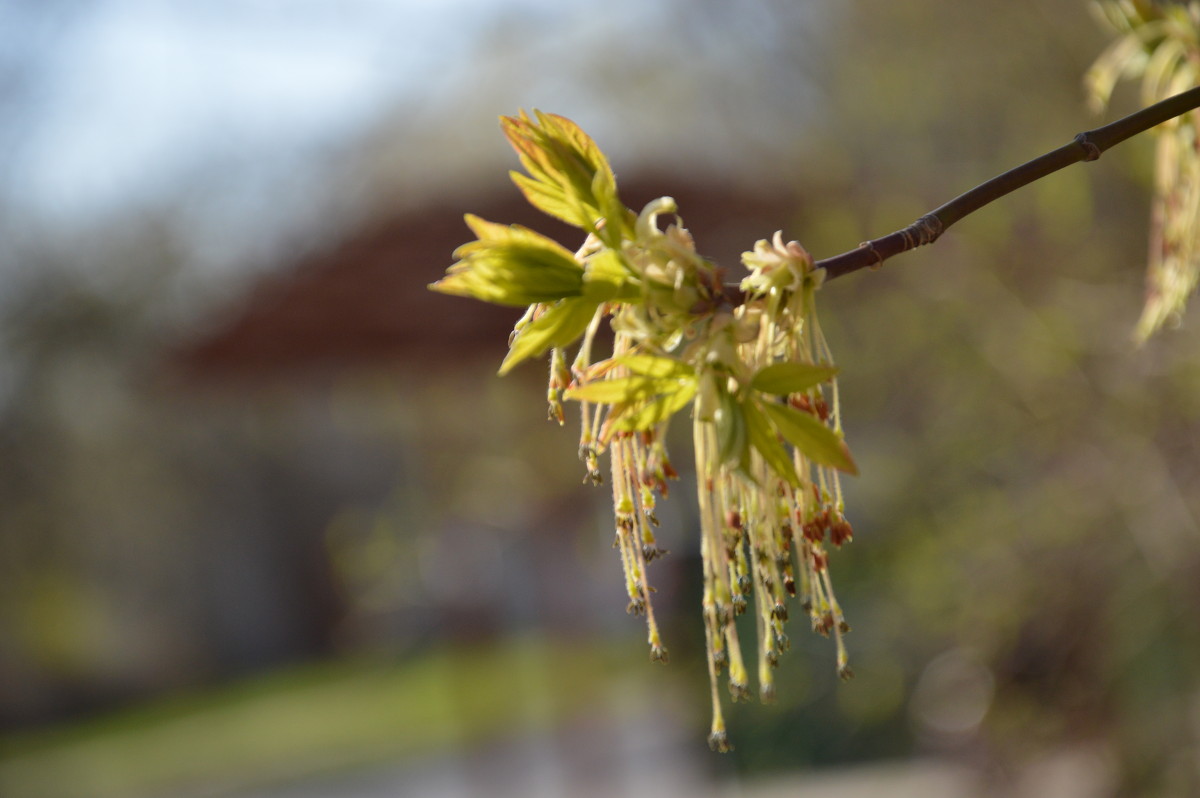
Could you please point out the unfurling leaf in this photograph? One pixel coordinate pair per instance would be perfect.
(785, 378)
(813, 439)
(569, 177)
(511, 265)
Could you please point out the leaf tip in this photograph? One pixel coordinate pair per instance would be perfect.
(849, 467)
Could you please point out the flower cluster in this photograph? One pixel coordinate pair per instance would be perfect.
(757, 375)
(769, 448)
(1160, 42)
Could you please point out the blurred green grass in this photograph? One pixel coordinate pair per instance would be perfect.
(314, 719)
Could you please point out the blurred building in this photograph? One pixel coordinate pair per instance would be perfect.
(363, 297)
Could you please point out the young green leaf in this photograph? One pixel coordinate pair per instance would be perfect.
(559, 326)
(813, 439)
(764, 438)
(622, 389)
(551, 199)
(569, 177)
(655, 366)
(733, 444)
(785, 378)
(511, 265)
(648, 415)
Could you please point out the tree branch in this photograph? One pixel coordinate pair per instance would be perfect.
(1087, 146)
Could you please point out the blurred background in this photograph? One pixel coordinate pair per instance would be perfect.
(271, 526)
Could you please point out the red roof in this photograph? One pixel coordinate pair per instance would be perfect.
(365, 298)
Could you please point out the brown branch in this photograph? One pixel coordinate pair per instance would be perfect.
(1086, 146)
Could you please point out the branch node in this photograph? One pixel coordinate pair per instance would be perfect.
(1091, 151)
(876, 259)
(933, 223)
(923, 231)
(1091, 144)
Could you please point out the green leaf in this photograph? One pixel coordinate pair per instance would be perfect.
(650, 414)
(569, 177)
(622, 389)
(658, 388)
(558, 326)
(785, 378)
(655, 366)
(764, 438)
(511, 265)
(553, 201)
(813, 439)
(733, 444)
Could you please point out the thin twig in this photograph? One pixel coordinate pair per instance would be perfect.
(1086, 146)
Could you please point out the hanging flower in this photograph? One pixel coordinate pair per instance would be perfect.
(759, 380)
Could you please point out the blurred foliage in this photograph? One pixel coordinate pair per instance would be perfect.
(1029, 482)
(260, 731)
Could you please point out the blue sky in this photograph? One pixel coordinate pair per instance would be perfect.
(133, 93)
(224, 103)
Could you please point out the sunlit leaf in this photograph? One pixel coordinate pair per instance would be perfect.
(812, 438)
(550, 199)
(785, 378)
(650, 414)
(568, 176)
(511, 265)
(558, 326)
(622, 389)
(655, 366)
